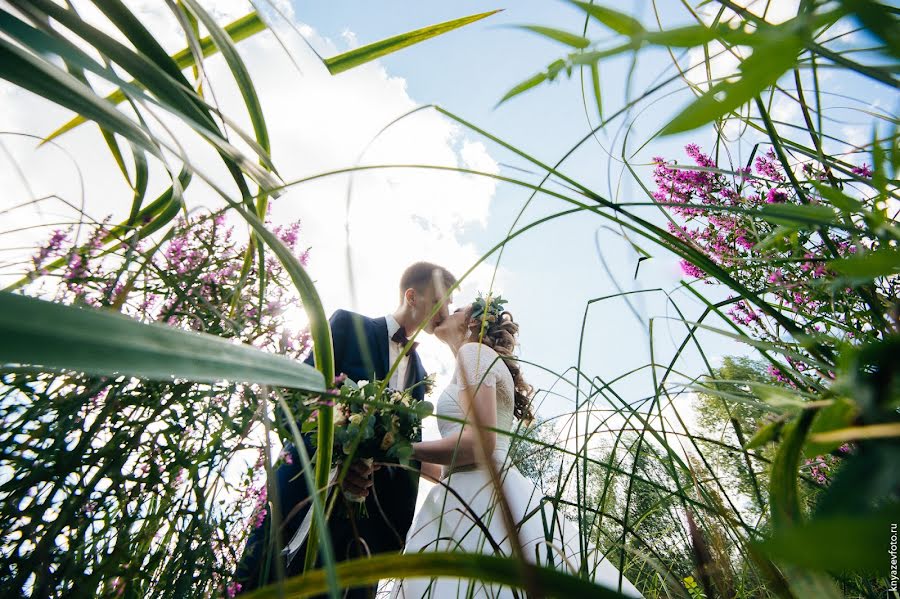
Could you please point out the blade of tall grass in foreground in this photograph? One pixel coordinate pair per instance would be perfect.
(38, 334)
(359, 56)
(238, 30)
(485, 568)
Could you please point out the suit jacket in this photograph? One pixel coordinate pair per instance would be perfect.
(361, 349)
(361, 352)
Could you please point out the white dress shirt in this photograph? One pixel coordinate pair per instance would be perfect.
(399, 378)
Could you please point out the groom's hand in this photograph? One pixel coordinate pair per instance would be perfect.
(359, 478)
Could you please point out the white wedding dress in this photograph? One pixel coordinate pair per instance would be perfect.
(447, 520)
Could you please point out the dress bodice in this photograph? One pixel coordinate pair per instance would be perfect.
(478, 366)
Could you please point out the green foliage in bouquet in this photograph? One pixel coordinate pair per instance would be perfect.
(371, 421)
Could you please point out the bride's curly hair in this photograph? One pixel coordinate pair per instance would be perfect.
(501, 336)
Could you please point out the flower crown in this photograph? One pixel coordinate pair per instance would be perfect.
(488, 307)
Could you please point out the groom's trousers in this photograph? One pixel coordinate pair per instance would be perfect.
(384, 530)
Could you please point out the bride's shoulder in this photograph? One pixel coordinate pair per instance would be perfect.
(478, 365)
(473, 348)
(478, 356)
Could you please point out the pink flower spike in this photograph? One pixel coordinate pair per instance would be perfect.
(260, 518)
(862, 171)
(776, 196)
(691, 270)
(745, 243)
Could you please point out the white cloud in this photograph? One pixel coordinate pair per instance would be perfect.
(724, 62)
(775, 12)
(785, 109)
(708, 66)
(854, 137)
(349, 37)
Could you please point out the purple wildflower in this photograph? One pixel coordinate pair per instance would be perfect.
(776, 196)
(233, 589)
(862, 171)
(742, 240)
(776, 374)
(51, 249)
(691, 270)
(768, 167)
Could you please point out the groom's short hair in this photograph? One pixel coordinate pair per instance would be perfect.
(423, 275)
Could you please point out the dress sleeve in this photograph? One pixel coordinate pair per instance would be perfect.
(478, 365)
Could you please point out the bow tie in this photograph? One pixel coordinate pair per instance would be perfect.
(401, 338)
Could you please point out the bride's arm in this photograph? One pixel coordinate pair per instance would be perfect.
(431, 472)
(461, 450)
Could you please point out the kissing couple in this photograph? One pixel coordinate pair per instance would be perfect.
(462, 511)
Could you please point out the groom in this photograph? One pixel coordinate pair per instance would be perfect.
(364, 348)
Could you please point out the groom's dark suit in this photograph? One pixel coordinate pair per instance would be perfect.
(361, 352)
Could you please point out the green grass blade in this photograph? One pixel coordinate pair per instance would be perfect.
(884, 430)
(792, 214)
(523, 87)
(154, 70)
(595, 86)
(882, 262)
(761, 70)
(880, 20)
(254, 109)
(354, 58)
(323, 350)
(238, 30)
(150, 64)
(476, 566)
(238, 69)
(563, 37)
(141, 180)
(784, 501)
(139, 36)
(59, 337)
(615, 20)
(682, 37)
(317, 507)
(54, 84)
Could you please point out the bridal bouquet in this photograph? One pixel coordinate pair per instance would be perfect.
(372, 422)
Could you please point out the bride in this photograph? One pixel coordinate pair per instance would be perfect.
(488, 382)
